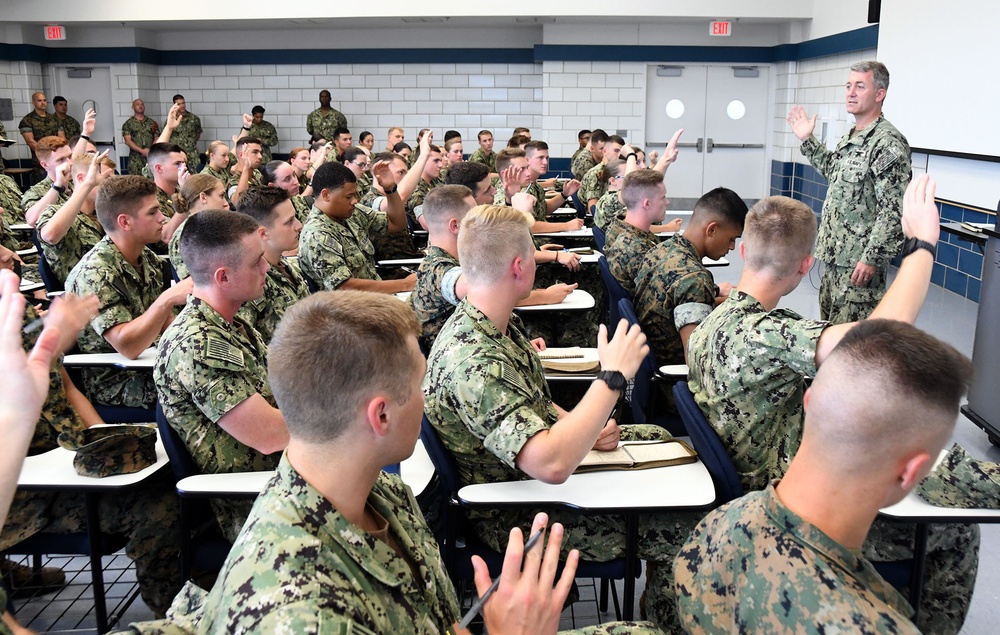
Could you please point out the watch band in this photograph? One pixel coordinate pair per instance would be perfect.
(913, 244)
(613, 378)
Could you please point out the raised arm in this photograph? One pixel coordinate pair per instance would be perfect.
(51, 197)
(57, 227)
(408, 185)
(173, 120)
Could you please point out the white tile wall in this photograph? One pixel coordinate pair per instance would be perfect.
(18, 80)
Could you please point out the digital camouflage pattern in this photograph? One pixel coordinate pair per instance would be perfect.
(417, 198)
(670, 276)
(186, 136)
(962, 481)
(609, 208)
(324, 124)
(69, 126)
(205, 367)
(143, 134)
(256, 180)
(149, 518)
(489, 161)
(625, 251)
(756, 409)
(581, 163)
(841, 302)
(39, 126)
(83, 234)
(300, 567)
(593, 185)
(540, 211)
(10, 200)
(268, 138)
(486, 396)
(868, 172)
(302, 207)
(331, 251)
(392, 245)
(174, 252)
(429, 296)
(224, 175)
(35, 193)
(754, 566)
(283, 287)
(124, 294)
(364, 184)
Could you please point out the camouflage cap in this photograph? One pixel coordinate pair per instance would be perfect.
(110, 450)
(962, 482)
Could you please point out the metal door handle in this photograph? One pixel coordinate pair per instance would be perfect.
(683, 145)
(710, 145)
(734, 145)
(700, 144)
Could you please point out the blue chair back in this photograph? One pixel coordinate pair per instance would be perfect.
(642, 385)
(599, 237)
(708, 445)
(616, 292)
(49, 278)
(180, 459)
(579, 206)
(313, 287)
(444, 462)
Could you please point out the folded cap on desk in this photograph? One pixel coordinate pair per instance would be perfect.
(110, 450)
(962, 482)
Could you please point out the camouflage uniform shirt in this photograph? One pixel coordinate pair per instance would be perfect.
(754, 566)
(673, 289)
(10, 200)
(480, 157)
(268, 138)
(609, 208)
(186, 136)
(593, 185)
(124, 293)
(174, 252)
(625, 252)
(433, 297)
(581, 163)
(38, 190)
(331, 251)
(39, 127)
(541, 211)
(224, 175)
(747, 368)
(283, 287)
(69, 126)
(83, 234)
(143, 134)
(324, 124)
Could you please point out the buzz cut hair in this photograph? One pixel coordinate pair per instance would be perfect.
(490, 238)
(213, 238)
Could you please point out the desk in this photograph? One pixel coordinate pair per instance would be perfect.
(674, 370)
(18, 175)
(21, 227)
(400, 262)
(587, 232)
(578, 300)
(53, 471)
(30, 251)
(678, 487)
(963, 232)
(98, 360)
(27, 286)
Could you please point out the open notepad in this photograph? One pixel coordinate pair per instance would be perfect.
(639, 456)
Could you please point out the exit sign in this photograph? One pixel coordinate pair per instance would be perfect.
(719, 28)
(55, 33)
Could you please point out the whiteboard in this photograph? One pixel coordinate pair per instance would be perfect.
(943, 92)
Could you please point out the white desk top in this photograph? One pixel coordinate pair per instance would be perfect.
(21, 227)
(721, 262)
(30, 251)
(28, 286)
(674, 370)
(915, 509)
(578, 300)
(85, 360)
(403, 295)
(674, 487)
(415, 471)
(53, 470)
(400, 262)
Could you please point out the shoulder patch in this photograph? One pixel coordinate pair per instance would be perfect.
(886, 159)
(216, 348)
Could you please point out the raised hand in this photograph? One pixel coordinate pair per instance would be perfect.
(800, 123)
(89, 122)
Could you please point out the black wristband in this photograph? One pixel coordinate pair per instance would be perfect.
(632, 154)
(83, 136)
(59, 188)
(247, 129)
(394, 189)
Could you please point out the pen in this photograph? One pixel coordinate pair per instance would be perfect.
(407, 269)
(478, 604)
(33, 326)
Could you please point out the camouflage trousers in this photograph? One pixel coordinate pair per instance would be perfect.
(841, 302)
(567, 328)
(231, 515)
(149, 517)
(617, 628)
(952, 563)
(117, 387)
(602, 538)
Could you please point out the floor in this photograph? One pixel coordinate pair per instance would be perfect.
(945, 315)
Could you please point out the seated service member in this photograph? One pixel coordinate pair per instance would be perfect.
(199, 192)
(336, 545)
(279, 230)
(167, 165)
(335, 247)
(789, 558)
(749, 362)
(211, 366)
(484, 154)
(136, 303)
(440, 285)
(487, 397)
(674, 291)
(54, 156)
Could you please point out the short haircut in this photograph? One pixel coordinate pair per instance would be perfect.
(433, 149)
(598, 136)
(386, 156)
(257, 109)
(259, 203)
(339, 131)
(517, 141)
(505, 156)
(354, 340)
(466, 173)
(483, 133)
(58, 99)
(779, 232)
(394, 128)
(522, 130)
(616, 139)
(160, 152)
(245, 141)
(212, 239)
(446, 201)
(535, 146)
(194, 185)
(351, 154)
(492, 236)
(451, 134)
(121, 195)
(880, 74)
(721, 204)
(178, 97)
(82, 162)
(332, 176)
(583, 133)
(402, 145)
(640, 184)
(47, 145)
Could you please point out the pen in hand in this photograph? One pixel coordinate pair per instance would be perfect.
(477, 606)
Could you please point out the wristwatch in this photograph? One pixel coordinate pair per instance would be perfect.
(914, 244)
(614, 379)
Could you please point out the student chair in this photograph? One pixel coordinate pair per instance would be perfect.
(616, 292)
(643, 393)
(708, 445)
(599, 237)
(313, 287)
(49, 278)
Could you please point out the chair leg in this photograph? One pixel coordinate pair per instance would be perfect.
(614, 598)
(96, 566)
(602, 606)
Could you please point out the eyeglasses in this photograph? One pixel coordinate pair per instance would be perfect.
(620, 176)
(363, 165)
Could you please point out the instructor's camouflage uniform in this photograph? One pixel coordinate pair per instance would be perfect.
(143, 134)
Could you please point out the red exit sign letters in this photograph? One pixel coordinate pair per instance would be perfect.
(720, 28)
(55, 32)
